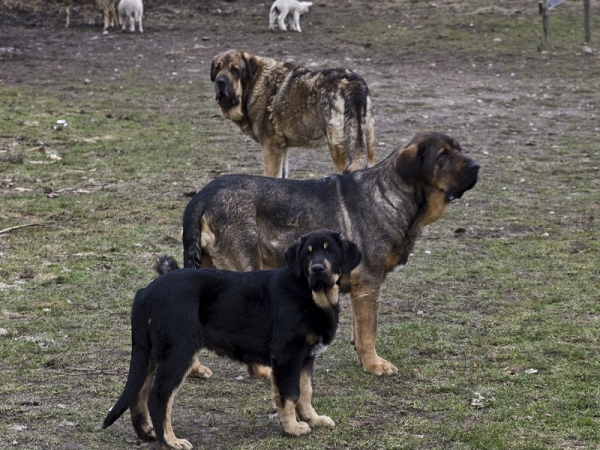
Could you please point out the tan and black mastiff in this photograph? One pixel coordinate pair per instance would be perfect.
(281, 105)
(244, 222)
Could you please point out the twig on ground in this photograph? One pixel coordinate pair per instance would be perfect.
(16, 227)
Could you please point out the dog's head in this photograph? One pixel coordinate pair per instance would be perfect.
(437, 163)
(322, 256)
(231, 71)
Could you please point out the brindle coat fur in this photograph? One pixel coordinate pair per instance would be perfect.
(282, 318)
(281, 105)
(244, 222)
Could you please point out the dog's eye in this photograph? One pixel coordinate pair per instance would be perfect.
(235, 71)
(325, 245)
(309, 248)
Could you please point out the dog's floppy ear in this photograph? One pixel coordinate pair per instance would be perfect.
(250, 68)
(213, 69)
(408, 164)
(351, 254)
(292, 257)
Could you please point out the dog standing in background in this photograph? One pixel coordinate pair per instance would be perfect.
(281, 105)
(282, 8)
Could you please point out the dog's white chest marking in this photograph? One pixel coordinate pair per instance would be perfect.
(319, 347)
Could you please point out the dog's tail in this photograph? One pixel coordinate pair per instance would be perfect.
(193, 226)
(165, 264)
(140, 359)
(359, 137)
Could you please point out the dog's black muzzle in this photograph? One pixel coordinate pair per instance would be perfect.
(468, 181)
(320, 278)
(225, 96)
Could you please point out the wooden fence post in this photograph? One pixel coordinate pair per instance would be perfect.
(586, 20)
(545, 44)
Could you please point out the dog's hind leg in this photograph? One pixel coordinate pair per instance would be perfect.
(275, 159)
(370, 134)
(258, 371)
(169, 376)
(304, 405)
(338, 154)
(140, 416)
(335, 134)
(198, 370)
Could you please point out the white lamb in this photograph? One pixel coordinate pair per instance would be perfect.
(280, 10)
(131, 11)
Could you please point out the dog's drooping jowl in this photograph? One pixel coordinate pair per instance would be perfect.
(281, 105)
(281, 318)
(244, 222)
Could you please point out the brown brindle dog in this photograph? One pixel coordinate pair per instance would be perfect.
(280, 105)
(244, 222)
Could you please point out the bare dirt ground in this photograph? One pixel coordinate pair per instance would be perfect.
(417, 82)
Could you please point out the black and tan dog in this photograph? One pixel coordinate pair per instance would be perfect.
(281, 105)
(282, 318)
(243, 222)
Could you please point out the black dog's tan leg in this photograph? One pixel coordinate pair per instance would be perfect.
(140, 416)
(304, 406)
(365, 309)
(286, 410)
(286, 391)
(169, 376)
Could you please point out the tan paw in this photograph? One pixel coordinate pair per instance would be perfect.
(297, 429)
(200, 371)
(380, 367)
(321, 421)
(258, 371)
(148, 432)
(177, 444)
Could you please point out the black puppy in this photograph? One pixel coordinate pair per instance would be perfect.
(282, 318)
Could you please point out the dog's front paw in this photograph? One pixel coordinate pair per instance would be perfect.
(296, 428)
(177, 444)
(380, 367)
(322, 421)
